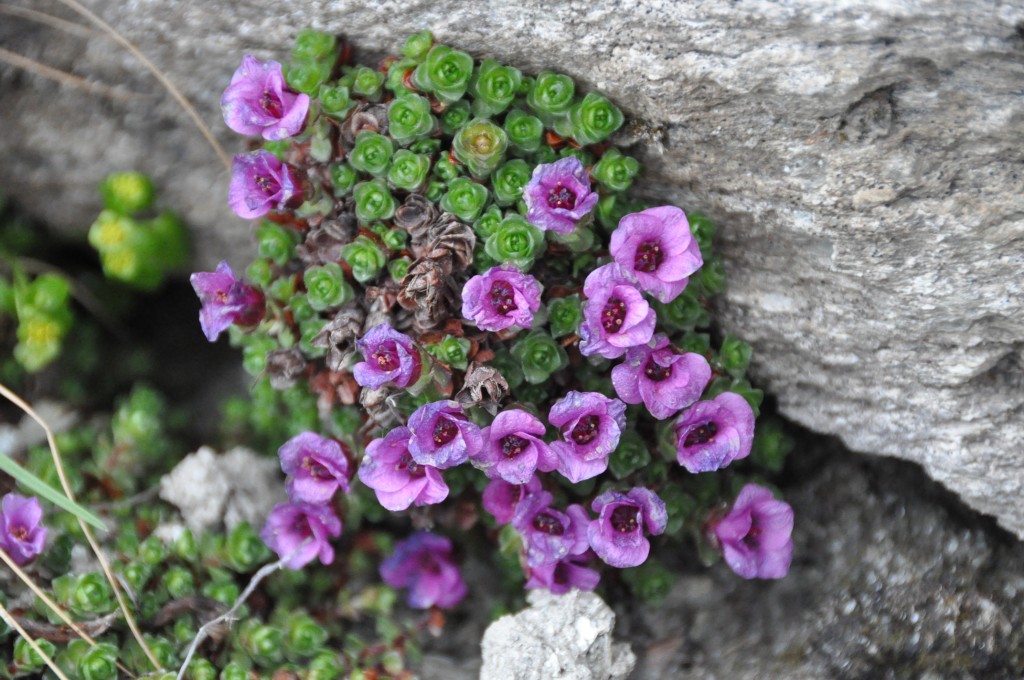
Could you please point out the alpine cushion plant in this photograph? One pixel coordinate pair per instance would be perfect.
(452, 273)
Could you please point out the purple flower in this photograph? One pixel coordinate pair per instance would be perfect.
(257, 102)
(617, 535)
(261, 183)
(442, 435)
(317, 467)
(562, 576)
(300, 532)
(501, 297)
(655, 248)
(226, 301)
(501, 498)
(396, 478)
(423, 563)
(712, 434)
(558, 195)
(662, 379)
(22, 533)
(550, 535)
(755, 535)
(615, 316)
(513, 449)
(591, 425)
(390, 357)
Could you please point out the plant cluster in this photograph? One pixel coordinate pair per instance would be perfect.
(460, 291)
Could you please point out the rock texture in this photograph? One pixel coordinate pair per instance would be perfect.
(559, 637)
(863, 159)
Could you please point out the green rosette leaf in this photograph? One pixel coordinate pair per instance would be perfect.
(314, 46)
(455, 116)
(552, 94)
(98, 663)
(465, 199)
(509, 367)
(629, 456)
(365, 258)
(410, 118)
(399, 268)
(127, 193)
(336, 102)
(487, 224)
(524, 131)
(594, 119)
(408, 170)
(508, 181)
(445, 72)
(734, 355)
(703, 229)
(447, 169)
(539, 356)
(326, 286)
(343, 178)
(515, 241)
(452, 351)
(417, 46)
(481, 146)
(275, 243)
(493, 87)
(684, 313)
(396, 79)
(367, 83)
(614, 171)
(374, 201)
(711, 276)
(565, 315)
(307, 77)
(371, 153)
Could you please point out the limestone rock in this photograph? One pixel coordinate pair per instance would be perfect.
(863, 160)
(210, 489)
(559, 637)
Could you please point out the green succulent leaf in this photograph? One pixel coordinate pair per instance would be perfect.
(365, 258)
(445, 72)
(126, 193)
(508, 181)
(480, 145)
(465, 199)
(552, 94)
(524, 131)
(594, 119)
(455, 116)
(408, 170)
(374, 201)
(326, 286)
(565, 315)
(410, 118)
(516, 241)
(614, 171)
(372, 153)
(539, 356)
(493, 87)
(418, 45)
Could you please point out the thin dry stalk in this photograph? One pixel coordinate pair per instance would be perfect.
(49, 20)
(33, 66)
(10, 621)
(164, 80)
(56, 608)
(104, 565)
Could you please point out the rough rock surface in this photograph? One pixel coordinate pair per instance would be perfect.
(863, 159)
(559, 637)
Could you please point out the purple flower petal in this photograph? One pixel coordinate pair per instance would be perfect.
(513, 449)
(755, 536)
(558, 195)
(591, 425)
(712, 434)
(22, 535)
(390, 356)
(442, 435)
(317, 467)
(398, 481)
(423, 563)
(500, 298)
(261, 183)
(617, 535)
(301, 532)
(661, 379)
(258, 102)
(226, 301)
(656, 249)
(615, 315)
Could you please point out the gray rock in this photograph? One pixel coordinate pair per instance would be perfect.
(559, 637)
(211, 489)
(863, 160)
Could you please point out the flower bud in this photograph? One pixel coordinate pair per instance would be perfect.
(126, 193)
(371, 154)
(493, 87)
(524, 131)
(455, 116)
(343, 178)
(565, 315)
(444, 72)
(552, 94)
(365, 258)
(539, 356)
(367, 83)
(410, 118)
(417, 46)
(614, 171)
(336, 101)
(373, 201)
(408, 170)
(98, 663)
(516, 241)
(594, 119)
(508, 181)
(481, 146)
(465, 199)
(326, 287)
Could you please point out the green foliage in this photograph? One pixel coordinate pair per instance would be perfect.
(481, 146)
(371, 154)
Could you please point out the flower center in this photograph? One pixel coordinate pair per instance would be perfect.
(386, 361)
(655, 372)
(561, 574)
(444, 431)
(502, 297)
(512, 445)
(585, 430)
(562, 197)
(315, 469)
(701, 435)
(624, 518)
(19, 533)
(648, 257)
(263, 182)
(613, 315)
(409, 465)
(547, 524)
(753, 538)
(271, 104)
